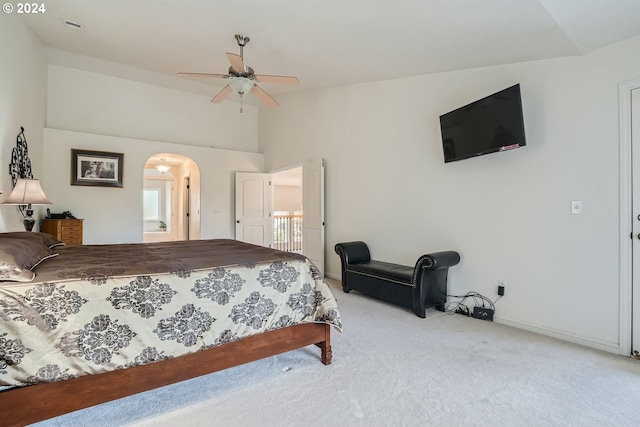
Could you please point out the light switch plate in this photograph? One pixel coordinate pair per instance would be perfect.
(576, 207)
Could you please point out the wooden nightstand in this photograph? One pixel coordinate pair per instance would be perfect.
(68, 231)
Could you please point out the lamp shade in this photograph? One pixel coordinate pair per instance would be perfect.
(27, 192)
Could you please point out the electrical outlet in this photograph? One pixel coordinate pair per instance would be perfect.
(501, 285)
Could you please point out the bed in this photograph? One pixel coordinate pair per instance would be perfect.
(83, 325)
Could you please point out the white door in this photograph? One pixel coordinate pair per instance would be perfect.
(313, 212)
(253, 208)
(635, 144)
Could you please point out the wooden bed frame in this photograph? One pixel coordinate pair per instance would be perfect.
(30, 404)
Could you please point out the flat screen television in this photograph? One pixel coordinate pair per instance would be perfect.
(489, 125)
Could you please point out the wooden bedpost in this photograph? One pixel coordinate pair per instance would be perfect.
(325, 347)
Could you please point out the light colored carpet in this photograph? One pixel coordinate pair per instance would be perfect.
(391, 368)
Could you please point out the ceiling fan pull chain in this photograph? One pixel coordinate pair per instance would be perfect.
(241, 103)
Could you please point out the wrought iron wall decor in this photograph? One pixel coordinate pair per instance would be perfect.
(20, 166)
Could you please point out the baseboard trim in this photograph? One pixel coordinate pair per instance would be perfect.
(609, 347)
(333, 276)
(604, 346)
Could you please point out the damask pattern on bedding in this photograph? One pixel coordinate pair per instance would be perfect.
(99, 308)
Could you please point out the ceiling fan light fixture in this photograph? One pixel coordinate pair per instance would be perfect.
(241, 78)
(241, 85)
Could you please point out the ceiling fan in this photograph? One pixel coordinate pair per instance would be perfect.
(242, 78)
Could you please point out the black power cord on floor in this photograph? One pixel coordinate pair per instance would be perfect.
(461, 306)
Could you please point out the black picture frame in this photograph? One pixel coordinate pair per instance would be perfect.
(96, 168)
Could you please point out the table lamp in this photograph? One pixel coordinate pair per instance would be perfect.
(27, 192)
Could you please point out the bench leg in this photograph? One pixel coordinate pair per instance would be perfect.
(431, 293)
(419, 306)
(345, 286)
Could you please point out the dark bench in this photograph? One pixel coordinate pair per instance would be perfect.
(418, 288)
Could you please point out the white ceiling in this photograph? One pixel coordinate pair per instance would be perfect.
(324, 43)
(290, 177)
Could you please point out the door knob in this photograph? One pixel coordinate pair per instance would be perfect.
(238, 221)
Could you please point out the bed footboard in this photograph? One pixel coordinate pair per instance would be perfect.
(30, 404)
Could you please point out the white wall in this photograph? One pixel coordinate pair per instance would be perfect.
(508, 214)
(114, 215)
(96, 103)
(287, 198)
(98, 112)
(23, 79)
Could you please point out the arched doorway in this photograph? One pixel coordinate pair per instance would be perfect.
(171, 198)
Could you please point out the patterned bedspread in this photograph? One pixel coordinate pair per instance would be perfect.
(98, 308)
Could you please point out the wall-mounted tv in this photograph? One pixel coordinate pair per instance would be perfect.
(488, 125)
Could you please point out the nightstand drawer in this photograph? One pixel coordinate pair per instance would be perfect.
(68, 231)
(71, 237)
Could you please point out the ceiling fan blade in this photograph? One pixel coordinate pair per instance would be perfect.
(222, 95)
(264, 96)
(217, 76)
(236, 62)
(284, 80)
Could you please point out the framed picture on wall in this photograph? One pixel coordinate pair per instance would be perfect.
(96, 168)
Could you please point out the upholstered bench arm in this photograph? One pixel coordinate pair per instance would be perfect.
(353, 253)
(437, 260)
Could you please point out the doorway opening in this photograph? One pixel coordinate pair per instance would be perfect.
(171, 198)
(287, 210)
(256, 203)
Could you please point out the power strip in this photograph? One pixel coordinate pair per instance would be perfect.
(483, 313)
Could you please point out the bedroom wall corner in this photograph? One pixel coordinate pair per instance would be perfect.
(23, 85)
